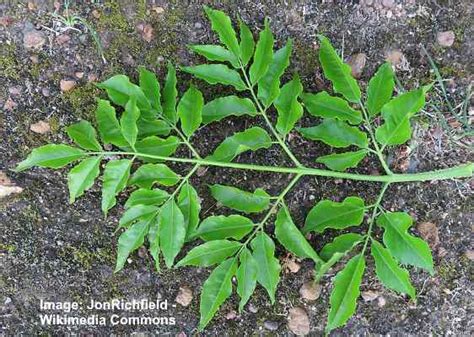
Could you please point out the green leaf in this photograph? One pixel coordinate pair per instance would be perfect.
(336, 134)
(135, 213)
(345, 292)
(169, 95)
(397, 113)
(337, 215)
(216, 53)
(252, 139)
(224, 227)
(380, 89)
(341, 244)
(217, 73)
(239, 200)
(190, 110)
(221, 24)
(190, 206)
(51, 155)
(322, 268)
(291, 238)
(287, 105)
(222, 107)
(157, 146)
(128, 122)
(216, 290)
(82, 176)
(337, 71)
(247, 43)
(406, 248)
(155, 127)
(154, 240)
(147, 175)
(116, 174)
(172, 231)
(210, 253)
(389, 272)
(84, 135)
(342, 161)
(269, 268)
(246, 277)
(144, 196)
(269, 84)
(129, 241)
(326, 106)
(108, 125)
(263, 54)
(150, 87)
(120, 90)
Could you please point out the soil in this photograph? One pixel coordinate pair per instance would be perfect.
(55, 251)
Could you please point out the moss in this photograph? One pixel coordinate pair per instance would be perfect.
(9, 67)
(83, 100)
(7, 248)
(112, 18)
(306, 58)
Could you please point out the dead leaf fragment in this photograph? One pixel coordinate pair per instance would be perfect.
(40, 127)
(67, 85)
(290, 265)
(397, 59)
(146, 31)
(470, 254)
(9, 104)
(298, 321)
(158, 9)
(357, 63)
(429, 232)
(369, 295)
(185, 296)
(310, 291)
(7, 187)
(445, 39)
(33, 39)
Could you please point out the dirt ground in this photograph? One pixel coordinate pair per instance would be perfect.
(52, 250)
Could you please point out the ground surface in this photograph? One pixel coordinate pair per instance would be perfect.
(51, 250)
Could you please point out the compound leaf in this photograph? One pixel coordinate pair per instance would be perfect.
(82, 176)
(169, 95)
(128, 122)
(246, 277)
(216, 290)
(287, 105)
(268, 274)
(210, 253)
(389, 272)
(150, 87)
(157, 146)
(251, 139)
(147, 175)
(172, 231)
(326, 106)
(380, 89)
(247, 43)
(190, 206)
(116, 174)
(108, 125)
(120, 90)
(136, 212)
(291, 238)
(345, 292)
(145, 196)
(84, 135)
(337, 215)
(217, 73)
(406, 248)
(221, 24)
(336, 133)
(190, 110)
(216, 53)
(341, 244)
(222, 107)
(239, 200)
(263, 54)
(224, 227)
(342, 161)
(269, 84)
(337, 71)
(51, 155)
(129, 241)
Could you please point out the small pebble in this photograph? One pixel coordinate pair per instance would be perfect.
(445, 39)
(67, 85)
(271, 325)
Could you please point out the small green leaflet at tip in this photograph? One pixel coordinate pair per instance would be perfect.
(82, 177)
(247, 43)
(210, 253)
(289, 109)
(190, 205)
(337, 71)
(342, 161)
(115, 179)
(128, 122)
(147, 175)
(51, 155)
(380, 89)
(221, 24)
(150, 87)
(404, 247)
(223, 107)
(389, 272)
(345, 292)
(268, 274)
(263, 54)
(252, 139)
(169, 95)
(216, 289)
(217, 74)
(216, 53)
(108, 125)
(145, 196)
(84, 135)
(246, 277)
(190, 110)
(172, 231)
(219, 227)
(243, 201)
(291, 238)
(329, 214)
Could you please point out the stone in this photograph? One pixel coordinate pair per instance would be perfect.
(271, 325)
(369, 295)
(67, 85)
(158, 9)
(10, 104)
(33, 40)
(298, 321)
(445, 39)
(63, 39)
(470, 254)
(357, 63)
(185, 296)
(429, 232)
(40, 127)
(231, 315)
(310, 291)
(252, 308)
(7, 188)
